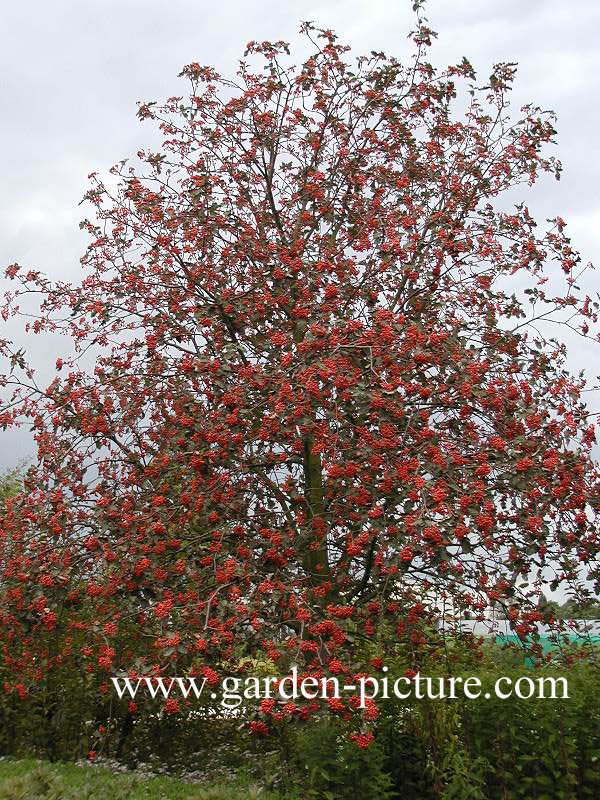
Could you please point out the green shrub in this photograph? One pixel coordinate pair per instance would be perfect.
(497, 749)
(326, 765)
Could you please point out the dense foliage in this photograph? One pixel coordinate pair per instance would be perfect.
(320, 395)
(493, 749)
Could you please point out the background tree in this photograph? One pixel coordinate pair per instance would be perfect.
(10, 483)
(320, 391)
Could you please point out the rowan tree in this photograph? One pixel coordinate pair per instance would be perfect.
(324, 388)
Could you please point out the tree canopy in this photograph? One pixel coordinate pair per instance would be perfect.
(322, 389)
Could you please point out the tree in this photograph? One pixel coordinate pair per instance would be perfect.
(320, 393)
(573, 611)
(11, 483)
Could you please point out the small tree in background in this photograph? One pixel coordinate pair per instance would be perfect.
(320, 393)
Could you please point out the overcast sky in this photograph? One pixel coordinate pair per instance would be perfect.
(71, 73)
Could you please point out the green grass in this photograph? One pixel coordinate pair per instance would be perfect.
(27, 779)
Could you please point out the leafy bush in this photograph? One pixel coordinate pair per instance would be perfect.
(535, 749)
(330, 767)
